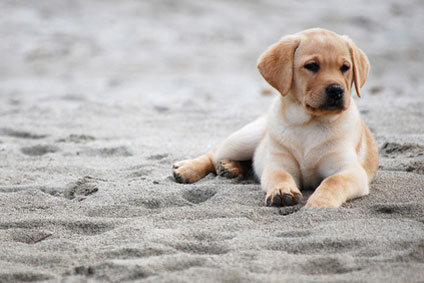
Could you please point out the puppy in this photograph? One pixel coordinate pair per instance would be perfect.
(312, 136)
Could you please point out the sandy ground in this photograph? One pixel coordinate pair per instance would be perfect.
(99, 98)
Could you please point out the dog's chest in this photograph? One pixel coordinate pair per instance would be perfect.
(307, 145)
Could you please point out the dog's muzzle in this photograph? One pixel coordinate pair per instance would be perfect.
(334, 97)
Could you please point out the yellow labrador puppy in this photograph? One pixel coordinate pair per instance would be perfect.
(312, 136)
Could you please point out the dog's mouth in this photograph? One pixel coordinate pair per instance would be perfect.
(323, 110)
(310, 108)
(320, 103)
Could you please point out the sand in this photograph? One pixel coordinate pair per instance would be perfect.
(99, 98)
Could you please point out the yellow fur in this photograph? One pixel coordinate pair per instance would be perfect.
(299, 143)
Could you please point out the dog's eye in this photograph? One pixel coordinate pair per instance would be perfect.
(344, 68)
(313, 67)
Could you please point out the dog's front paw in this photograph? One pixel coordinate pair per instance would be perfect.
(185, 172)
(283, 196)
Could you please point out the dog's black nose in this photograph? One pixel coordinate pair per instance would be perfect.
(334, 97)
(334, 93)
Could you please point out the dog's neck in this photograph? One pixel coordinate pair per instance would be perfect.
(295, 113)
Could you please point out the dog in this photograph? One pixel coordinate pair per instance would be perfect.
(312, 136)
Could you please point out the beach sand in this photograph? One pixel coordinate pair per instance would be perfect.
(99, 98)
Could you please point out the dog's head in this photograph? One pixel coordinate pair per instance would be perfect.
(317, 67)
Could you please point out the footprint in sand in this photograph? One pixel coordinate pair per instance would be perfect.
(108, 152)
(392, 149)
(415, 167)
(78, 190)
(406, 210)
(77, 138)
(38, 150)
(409, 150)
(20, 134)
(198, 195)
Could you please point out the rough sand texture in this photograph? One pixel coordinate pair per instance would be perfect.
(99, 98)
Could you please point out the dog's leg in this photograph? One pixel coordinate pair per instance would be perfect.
(279, 174)
(190, 171)
(233, 156)
(349, 183)
(280, 187)
(227, 159)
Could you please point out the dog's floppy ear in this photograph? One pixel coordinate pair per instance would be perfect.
(276, 63)
(361, 65)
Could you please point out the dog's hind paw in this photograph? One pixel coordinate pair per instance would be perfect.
(230, 169)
